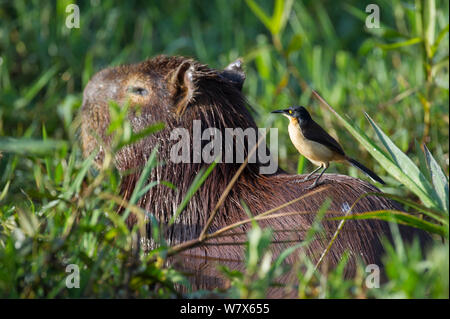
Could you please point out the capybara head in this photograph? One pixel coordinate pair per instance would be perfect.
(172, 90)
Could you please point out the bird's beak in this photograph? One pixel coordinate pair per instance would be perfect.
(285, 112)
(280, 111)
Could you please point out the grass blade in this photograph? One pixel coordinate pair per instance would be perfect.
(262, 16)
(198, 181)
(301, 164)
(399, 217)
(151, 163)
(402, 44)
(141, 134)
(432, 213)
(28, 146)
(36, 87)
(440, 181)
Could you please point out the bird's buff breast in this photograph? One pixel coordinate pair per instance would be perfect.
(313, 151)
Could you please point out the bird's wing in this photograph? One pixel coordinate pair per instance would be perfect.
(316, 133)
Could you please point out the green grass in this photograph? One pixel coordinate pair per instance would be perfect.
(55, 210)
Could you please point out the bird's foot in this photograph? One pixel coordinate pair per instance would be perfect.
(313, 185)
(307, 178)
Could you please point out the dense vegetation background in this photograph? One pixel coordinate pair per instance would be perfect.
(398, 74)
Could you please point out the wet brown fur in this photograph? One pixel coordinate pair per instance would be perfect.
(217, 101)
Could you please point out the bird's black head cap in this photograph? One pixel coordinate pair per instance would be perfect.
(298, 112)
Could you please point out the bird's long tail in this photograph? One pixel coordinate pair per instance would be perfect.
(365, 170)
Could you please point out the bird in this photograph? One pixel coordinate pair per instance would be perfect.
(313, 142)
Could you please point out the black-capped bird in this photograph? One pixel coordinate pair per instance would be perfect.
(313, 142)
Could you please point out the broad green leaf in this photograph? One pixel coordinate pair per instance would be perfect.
(440, 181)
(410, 170)
(422, 161)
(400, 158)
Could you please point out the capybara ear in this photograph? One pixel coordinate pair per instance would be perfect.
(183, 86)
(235, 74)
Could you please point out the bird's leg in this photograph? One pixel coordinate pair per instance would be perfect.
(310, 174)
(317, 179)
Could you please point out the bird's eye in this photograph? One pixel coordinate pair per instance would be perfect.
(138, 90)
(290, 112)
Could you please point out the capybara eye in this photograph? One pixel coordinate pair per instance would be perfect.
(137, 90)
